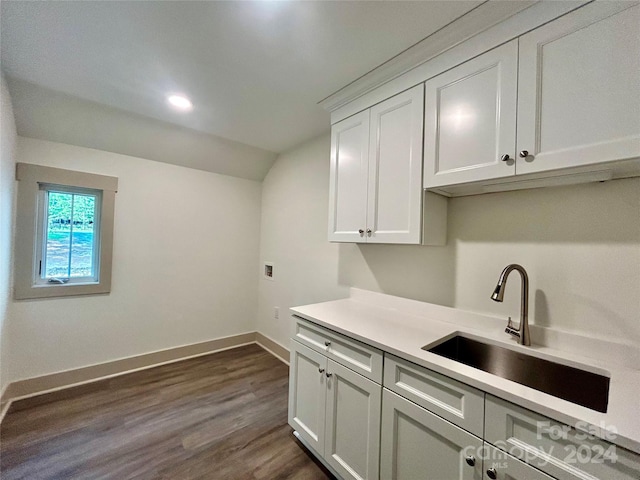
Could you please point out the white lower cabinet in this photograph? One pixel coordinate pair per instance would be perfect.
(336, 412)
(560, 450)
(454, 401)
(356, 356)
(418, 427)
(307, 397)
(352, 439)
(417, 444)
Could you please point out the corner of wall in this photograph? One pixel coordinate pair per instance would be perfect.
(8, 138)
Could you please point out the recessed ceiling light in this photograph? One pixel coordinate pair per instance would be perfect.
(180, 102)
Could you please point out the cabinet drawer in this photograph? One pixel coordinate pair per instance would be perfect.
(357, 356)
(461, 404)
(555, 448)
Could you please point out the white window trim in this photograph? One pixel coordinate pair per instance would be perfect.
(26, 271)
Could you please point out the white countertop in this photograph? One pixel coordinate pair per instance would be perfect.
(402, 327)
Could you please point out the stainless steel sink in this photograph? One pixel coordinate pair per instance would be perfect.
(578, 386)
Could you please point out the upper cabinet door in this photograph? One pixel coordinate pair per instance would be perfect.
(470, 120)
(395, 169)
(578, 100)
(348, 182)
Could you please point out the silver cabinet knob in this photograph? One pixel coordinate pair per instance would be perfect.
(361, 232)
(328, 374)
(505, 157)
(524, 153)
(471, 460)
(326, 344)
(492, 474)
(320, 370)
(369, 232)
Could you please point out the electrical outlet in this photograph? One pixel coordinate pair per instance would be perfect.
(276, 312)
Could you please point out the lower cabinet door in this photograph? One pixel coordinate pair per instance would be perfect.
(502, 466)
(307, 396)
(352, 442)
(418, 445)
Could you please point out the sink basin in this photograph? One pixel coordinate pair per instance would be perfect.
(578, 386)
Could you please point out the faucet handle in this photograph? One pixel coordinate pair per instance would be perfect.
(511, 330)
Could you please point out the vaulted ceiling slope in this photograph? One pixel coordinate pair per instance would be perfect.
(254, 70)
(49, 115)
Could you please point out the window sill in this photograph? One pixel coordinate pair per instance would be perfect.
(57, 291)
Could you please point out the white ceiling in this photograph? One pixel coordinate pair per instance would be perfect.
(255, 70)
(49, 115)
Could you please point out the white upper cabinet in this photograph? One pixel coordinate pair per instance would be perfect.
(376, 173)
(576, 84)
(470, 120)
(395, 169)
(579, 89)
(348, 183)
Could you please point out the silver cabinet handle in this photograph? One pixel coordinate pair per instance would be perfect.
(505, 157)
(524, 154)
(320, 370)
(369, 232)
(471, 460)
(327, 343)
(361, 232)
(492, 474)
(328, 374)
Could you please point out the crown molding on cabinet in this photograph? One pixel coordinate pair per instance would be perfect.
(483, 28)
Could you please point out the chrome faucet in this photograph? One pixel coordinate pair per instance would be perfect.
(522, 332)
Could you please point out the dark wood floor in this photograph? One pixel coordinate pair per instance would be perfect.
(223, 416)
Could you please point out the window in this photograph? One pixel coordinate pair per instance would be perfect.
(68, 240)
(64, 232)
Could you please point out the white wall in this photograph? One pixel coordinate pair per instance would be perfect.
(7, 176)
(309, 269)
(185, 264)
(580, 245)
(305, 264)
(188, 246)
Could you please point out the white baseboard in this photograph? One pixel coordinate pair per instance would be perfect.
(273, 347)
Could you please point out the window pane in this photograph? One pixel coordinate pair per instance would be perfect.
(58, 234)
(82, 243)
(71, 227)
